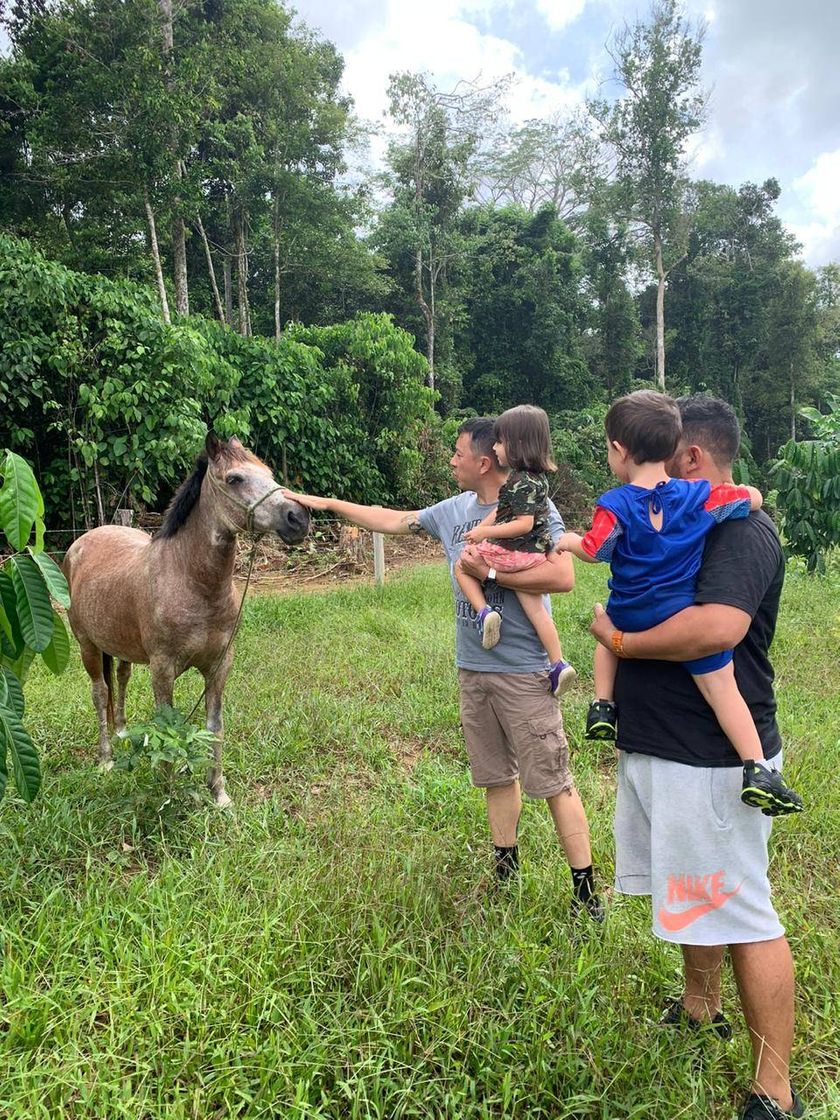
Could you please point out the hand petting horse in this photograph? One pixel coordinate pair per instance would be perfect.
(169, 601)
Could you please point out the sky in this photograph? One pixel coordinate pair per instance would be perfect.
(769, 65)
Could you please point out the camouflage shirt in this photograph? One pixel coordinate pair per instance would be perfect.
(525, 494)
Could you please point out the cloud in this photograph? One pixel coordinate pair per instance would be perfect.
(560, 13)
(816, 202)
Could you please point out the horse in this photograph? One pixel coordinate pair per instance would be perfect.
(168, 601)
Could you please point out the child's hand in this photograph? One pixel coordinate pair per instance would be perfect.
(474, 536)
(311, 501)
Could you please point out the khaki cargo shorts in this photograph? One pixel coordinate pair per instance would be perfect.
(513, 729)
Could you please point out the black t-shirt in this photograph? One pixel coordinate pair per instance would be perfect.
(660, 709)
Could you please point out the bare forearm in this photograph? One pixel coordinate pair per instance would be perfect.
(508, 529)
(554, 577)
(573, 543)
(695, 632)
(379, 519)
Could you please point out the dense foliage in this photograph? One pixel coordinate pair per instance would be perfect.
(114, 402)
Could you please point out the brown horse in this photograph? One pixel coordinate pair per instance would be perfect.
(169, 601)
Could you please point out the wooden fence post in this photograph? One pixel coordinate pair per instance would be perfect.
(378, 558)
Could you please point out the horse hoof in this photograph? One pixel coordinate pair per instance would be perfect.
(107, 765)
(223, 801)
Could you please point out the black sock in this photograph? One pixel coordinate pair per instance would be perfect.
(583, 883)
(507, 861)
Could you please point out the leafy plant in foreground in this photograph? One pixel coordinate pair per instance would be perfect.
(28, 623)
(168, 744)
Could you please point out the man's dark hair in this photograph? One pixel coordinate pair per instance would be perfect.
(711, 423)
(481, 430)
(525, 432)
(646, 423)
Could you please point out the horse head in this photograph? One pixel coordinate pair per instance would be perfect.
(247, 494)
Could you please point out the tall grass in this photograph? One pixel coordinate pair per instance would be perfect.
(334, 947)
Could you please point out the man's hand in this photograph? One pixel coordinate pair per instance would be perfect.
(602, 626)
(474, 563)
(311, 501)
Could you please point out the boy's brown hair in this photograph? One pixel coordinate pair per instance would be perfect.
(526, 435)
(647, 424)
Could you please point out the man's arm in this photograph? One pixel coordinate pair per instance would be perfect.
(376, 518)
(697, 631)
(553, 577)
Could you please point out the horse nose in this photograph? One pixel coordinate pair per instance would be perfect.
(297, 519)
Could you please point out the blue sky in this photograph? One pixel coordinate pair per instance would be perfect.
(770, 67)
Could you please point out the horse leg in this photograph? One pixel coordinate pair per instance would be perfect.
(93, 663)
(163, 679)
(215, 687)
(123, 673)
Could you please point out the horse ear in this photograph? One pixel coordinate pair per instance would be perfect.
(235, 444)
(213, 446)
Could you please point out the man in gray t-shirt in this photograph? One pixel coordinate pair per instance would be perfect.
(512, 724)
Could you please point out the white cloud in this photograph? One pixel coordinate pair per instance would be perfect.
(439, 37)
(814, 209)
(560, 13)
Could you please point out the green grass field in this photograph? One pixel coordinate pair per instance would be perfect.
(334, 948)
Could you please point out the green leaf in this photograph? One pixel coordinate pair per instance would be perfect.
(15, 740)
(53, 577)
(57, 654)
(7, 597)
(33, 603)
(20, 667)
(20, 500)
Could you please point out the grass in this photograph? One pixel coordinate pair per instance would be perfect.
(333, 948)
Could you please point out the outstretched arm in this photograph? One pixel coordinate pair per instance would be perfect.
(376, 518)
(573, 542)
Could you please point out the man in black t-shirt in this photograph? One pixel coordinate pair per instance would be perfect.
(682, 834)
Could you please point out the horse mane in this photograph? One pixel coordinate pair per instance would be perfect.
(184, 500)
(188, 493)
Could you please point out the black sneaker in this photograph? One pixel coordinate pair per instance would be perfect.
(675, 1015)
(601, 720)
(767, 1108)
(766, 790)
(592, 909)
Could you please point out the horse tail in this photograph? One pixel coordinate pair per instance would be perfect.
(108, 677)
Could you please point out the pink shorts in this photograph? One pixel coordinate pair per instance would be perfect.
(506, 560)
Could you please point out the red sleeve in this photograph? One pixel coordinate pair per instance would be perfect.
(727, 502)
(601, 539)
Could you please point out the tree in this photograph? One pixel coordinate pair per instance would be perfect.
(433, 171)
(647, 128)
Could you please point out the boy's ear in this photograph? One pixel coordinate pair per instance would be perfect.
(620, 448)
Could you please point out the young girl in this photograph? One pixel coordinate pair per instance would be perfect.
(516, 535)
(652, 531)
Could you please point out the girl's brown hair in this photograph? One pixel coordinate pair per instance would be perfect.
(646, 423)
(525, 433)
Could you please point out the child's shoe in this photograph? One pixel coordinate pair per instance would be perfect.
(490, 623)
(561, 677)
(765, 789)
(601, 720)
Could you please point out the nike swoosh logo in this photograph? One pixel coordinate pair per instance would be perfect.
(675, 922)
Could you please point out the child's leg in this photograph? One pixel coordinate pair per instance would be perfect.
(473, 589)
(606, 667)
(721, 693)
(542, 622)
(763, 788)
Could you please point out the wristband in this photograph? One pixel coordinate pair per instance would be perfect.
(617, 641)
(491, 574)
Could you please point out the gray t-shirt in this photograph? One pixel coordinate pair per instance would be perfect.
(520, 650)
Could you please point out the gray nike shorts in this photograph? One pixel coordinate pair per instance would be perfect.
(683, 836)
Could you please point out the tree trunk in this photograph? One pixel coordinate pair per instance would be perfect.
(278, 326)
(241, 274)
(660, 312)
(179, 260)
(792, 405)
(100, 508)
(153, 241)
(217, 300)
(427, 315)
(179, 235)
(227, 271)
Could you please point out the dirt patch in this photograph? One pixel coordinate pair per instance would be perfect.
(326, 560)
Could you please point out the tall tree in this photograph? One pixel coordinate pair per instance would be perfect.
(657, 64)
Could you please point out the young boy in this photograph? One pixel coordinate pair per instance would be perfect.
(652, 530)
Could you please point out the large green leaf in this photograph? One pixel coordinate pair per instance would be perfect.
(20, 500)
(57, 653)
(13, 692)
(20, 666)
(11, 638)
(15, 740)
(3, 771)
(33, 602)
(53, 577)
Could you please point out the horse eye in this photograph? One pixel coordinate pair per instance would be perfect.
(234, 479)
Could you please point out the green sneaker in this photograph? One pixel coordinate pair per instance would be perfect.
(766, 790)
